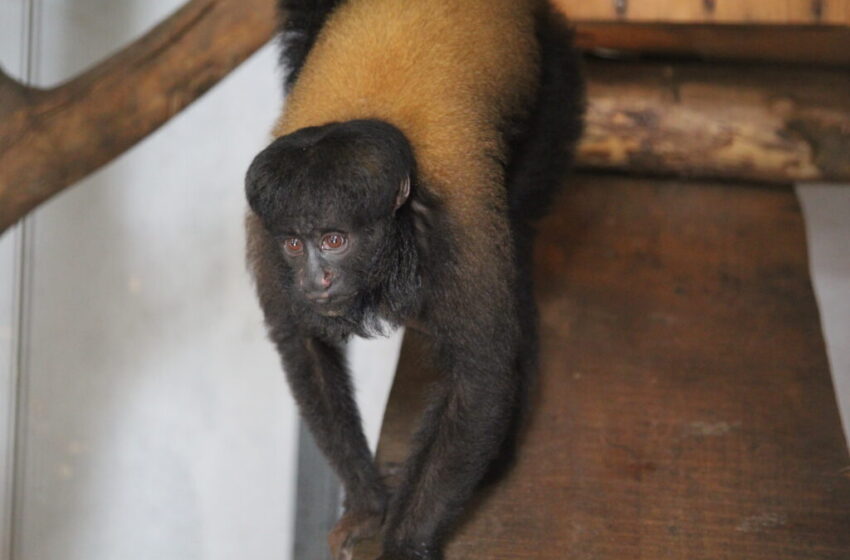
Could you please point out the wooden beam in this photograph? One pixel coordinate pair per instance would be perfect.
(811, 44)
(755, 123)
(684, 406)
(775, 124)
(772, 12)
(51, 138)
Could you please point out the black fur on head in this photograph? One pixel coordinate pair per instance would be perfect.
(348, 177)
(347, 172)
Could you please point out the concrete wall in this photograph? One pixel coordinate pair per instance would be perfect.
(153, 420)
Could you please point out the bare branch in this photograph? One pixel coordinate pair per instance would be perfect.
(51, 138)
(763, 123)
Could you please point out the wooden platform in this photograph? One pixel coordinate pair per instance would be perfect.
(685, 406)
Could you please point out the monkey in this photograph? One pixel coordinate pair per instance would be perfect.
(419, 144)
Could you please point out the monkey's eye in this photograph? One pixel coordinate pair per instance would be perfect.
(333, 242)
(293, 246)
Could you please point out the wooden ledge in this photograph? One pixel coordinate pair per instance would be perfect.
(685, 409)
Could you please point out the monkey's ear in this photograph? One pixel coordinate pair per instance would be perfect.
(403, 193)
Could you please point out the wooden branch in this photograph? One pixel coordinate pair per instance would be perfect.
(12, 94)
(759, 123)
(776, 124)
(52, 138)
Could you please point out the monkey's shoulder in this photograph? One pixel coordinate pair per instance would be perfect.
(423, 66)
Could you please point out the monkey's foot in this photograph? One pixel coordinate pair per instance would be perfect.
(353, 526)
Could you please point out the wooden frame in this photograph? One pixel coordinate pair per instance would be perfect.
(773, 12)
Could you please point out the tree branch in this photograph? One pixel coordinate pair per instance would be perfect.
(762, 123)
(51, 138)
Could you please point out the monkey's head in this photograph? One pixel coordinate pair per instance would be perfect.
(333, 197)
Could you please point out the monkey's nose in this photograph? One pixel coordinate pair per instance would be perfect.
(317, 290)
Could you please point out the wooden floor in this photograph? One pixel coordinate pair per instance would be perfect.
(685, 408)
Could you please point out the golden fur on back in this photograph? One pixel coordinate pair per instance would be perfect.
(447, 73)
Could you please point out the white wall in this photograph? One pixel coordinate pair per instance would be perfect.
(155, 421)
(826, 209)
(12, 58)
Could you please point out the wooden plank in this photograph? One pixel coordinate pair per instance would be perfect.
(823, 45)
(731, 121)
(773, 12)
(685, 407)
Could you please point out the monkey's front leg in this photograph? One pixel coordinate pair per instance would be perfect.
(460, 436)
(321, 385)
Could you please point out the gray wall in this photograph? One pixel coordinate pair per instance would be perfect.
(153, 419)
(826, 209)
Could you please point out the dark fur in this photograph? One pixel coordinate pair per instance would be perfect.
(542, 150)
(486, 344)
(291, 183)
(300, 22)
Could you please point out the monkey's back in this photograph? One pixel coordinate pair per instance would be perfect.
(448, 73)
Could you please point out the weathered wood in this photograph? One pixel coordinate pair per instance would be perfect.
(775, 12)
(775, 124)
(814, 44)
(685, 407)
(51, 138)
(759, 123)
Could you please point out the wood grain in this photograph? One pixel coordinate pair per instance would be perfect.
(731, 121)
(819, 45)
(773, 12)
(52, 138)
(685, 408)
(742, 122)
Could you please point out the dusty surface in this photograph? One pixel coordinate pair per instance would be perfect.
(685, 406)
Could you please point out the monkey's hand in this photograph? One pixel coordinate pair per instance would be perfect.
(353, 526)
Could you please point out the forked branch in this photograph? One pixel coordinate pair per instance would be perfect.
(750, 122)
(51, 138)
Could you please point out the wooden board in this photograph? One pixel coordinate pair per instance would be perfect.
(775, 12)
(685, 408)
(731, 121)
(816, 44)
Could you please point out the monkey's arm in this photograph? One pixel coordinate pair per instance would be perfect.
(321, 384)
(319, 380)
(464, 429)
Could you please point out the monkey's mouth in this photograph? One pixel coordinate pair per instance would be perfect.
(331, 312)
(334, 306)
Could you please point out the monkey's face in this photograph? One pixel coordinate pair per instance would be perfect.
(332, 266)
(331, 196)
